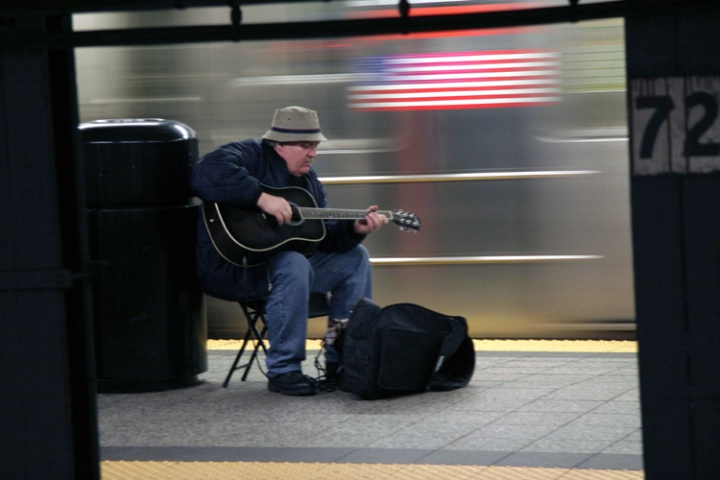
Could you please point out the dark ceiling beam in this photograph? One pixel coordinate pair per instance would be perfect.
(53, 7)
(573, 12)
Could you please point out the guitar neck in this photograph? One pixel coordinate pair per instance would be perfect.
(338, 213)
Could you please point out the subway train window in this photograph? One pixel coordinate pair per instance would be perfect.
(509, 143)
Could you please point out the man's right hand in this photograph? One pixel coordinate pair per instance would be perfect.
(278, 207)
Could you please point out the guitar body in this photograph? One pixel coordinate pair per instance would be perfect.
(249, 237)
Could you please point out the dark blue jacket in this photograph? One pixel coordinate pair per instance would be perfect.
(233, 174)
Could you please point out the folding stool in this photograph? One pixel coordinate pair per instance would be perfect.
(254, 311)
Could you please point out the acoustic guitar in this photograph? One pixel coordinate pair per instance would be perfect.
(249, 237)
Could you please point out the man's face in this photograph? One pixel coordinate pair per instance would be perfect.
(299, 156)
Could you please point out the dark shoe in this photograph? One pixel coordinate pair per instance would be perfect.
(292, 383)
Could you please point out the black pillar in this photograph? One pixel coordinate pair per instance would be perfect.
(48, 420)
(674, 105)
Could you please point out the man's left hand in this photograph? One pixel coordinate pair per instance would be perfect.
(372, 222)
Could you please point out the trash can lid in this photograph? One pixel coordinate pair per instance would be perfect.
(135, 130)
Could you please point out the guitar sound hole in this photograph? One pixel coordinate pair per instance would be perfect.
(296, 219)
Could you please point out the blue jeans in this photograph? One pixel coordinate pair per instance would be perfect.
(347, 276)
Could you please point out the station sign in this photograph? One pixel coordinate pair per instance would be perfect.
(675, 125)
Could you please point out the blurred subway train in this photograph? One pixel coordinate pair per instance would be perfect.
(509, 144)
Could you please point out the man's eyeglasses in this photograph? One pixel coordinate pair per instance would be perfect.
(303, 145)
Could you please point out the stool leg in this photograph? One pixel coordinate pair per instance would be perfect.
(253, 312)
(260, 343)
(237, 359)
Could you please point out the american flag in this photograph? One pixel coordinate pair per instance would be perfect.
(490, 79)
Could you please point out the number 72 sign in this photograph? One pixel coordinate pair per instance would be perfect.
(674, 125)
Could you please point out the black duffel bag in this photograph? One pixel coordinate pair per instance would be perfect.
(404, 348)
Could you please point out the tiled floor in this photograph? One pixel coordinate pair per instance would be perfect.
(524, 409)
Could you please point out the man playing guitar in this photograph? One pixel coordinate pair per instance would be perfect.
(238, 175)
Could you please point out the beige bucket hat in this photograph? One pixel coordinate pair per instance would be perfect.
(295, 124)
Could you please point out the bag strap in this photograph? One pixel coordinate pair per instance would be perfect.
(450, 344)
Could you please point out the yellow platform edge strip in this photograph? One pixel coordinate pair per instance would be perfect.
(584, 346)
(128, 470)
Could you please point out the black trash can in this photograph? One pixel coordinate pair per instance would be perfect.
(149, 311)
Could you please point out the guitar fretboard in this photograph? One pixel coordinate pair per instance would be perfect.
(338, 214)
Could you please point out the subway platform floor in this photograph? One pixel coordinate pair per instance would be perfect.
(533, 410)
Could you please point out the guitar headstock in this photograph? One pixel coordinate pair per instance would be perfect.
(406, 220)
